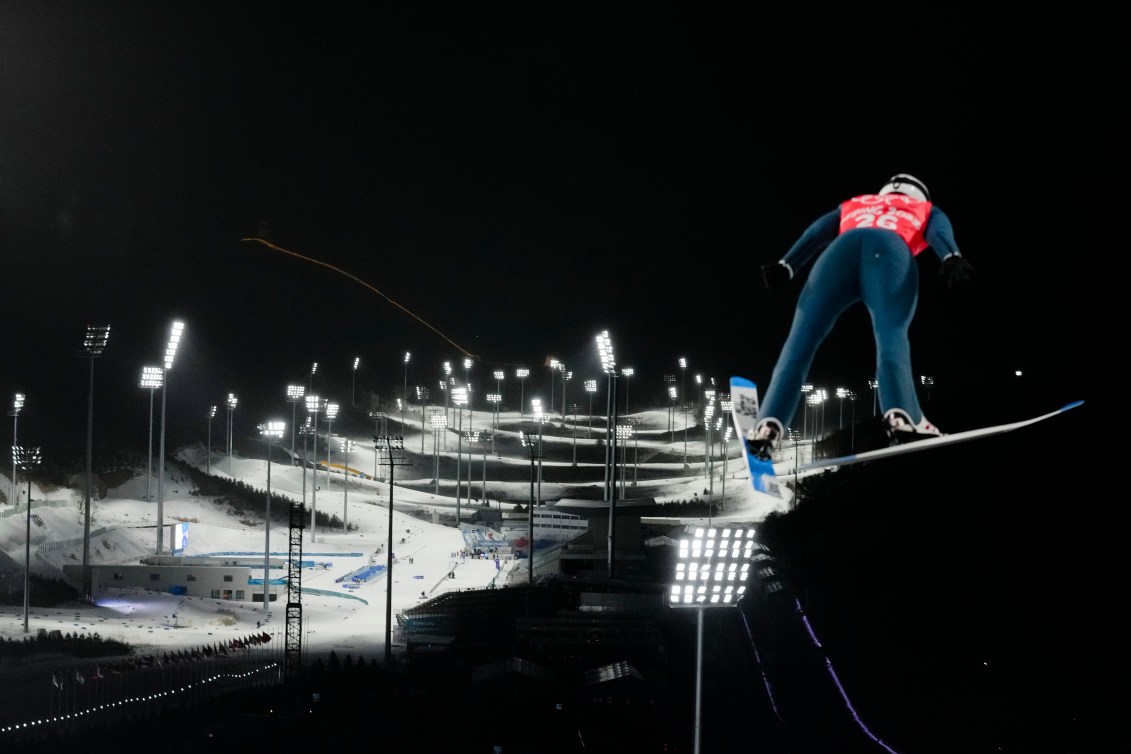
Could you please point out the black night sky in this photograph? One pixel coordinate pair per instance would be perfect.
(516, 180)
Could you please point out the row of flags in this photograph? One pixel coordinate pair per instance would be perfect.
(220, 649)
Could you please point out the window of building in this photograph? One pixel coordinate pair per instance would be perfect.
(214, 594)
(154, 577)
(227, 578)
(239, 594)
(118, 576)
(190, 577)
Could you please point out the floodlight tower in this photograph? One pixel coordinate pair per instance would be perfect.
(726, 405)
(208, 461)
(17, 405)
(394, 446)
(314, 405)
(93, 344)
(841, 394)
(521, 374)
(499, 375)
(591, 388)
(540, 417)
(672, 390)
(331, 411)
(553, 364)
(805, 390)
(170, 354)
(28, 459)
(348, 447)
(574, 410)
(683, 393)
(609, 366)
(708, 466)
(459, 397)
(422, 394)
(232, 402)
(294, 397)
(566, 377)
(151, 379)
(270, 432)
(711, 570)
(379, 418)
(874, 385)
(446, 383)
(313, 369)
(439, 424)
(534, 448)
(624, 434)
(626, 372)
(470, 405)
(404, 388)
(493, 399)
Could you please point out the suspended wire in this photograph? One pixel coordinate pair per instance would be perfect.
(358, 280)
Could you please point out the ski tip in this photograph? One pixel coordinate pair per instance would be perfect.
(741, 382)
(1072, 405)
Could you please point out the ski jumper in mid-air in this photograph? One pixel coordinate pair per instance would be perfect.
(862, 251)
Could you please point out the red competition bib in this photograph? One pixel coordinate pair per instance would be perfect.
(895, 212)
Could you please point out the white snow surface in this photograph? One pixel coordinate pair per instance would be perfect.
(346, 621)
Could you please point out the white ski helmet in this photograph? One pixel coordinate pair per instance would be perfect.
(909, 185)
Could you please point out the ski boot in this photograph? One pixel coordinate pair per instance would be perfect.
(761, 440)
(900, 429)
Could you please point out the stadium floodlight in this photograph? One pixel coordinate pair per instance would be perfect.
(683, 392)
(446, 385)
(270, 431)
(609, 367)
(379, 418)
(331, 411)
(499, 375)
(314, 405)
(394, 454)
(294, 397)
(93, 344)
(151, 379)
(534, 448)
(27, 459)
(521, 374)
(711, 570)
(17, 405)
(232, 402)
(591, 388)
(208, 461)
(313, 369)
(459, 397)
(626, 372)
(470, 404)
(347, 446)
(439, 424)
(567, 375)
(170, 353)
(404, 388)
(422, 395)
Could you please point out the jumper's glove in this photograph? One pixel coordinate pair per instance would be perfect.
(956, 272)
(775, 276)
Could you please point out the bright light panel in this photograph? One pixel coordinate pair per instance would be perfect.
(712, 567)
(174, 341)
(152, 377)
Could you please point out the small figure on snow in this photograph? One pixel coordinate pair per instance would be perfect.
(862, 251)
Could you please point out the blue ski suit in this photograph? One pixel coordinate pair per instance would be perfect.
(865, 251)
